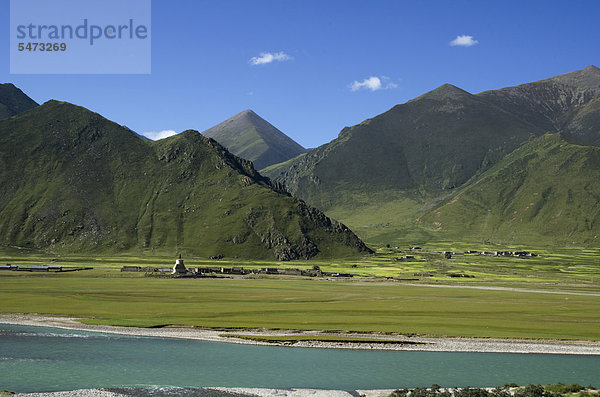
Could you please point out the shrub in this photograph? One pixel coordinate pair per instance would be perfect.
(468, 392)
(562, 388)
(530, 391)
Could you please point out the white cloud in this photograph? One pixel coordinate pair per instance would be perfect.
(463, 41)
(373, 83)
(268, 57)
(155, 136)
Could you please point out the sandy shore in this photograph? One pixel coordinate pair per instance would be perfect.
(400, 342)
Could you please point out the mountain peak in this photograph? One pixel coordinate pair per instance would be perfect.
(448, 88)
(445, 91)
(586, 78)
(591, 68)
(246, 116)
(251, 137)
(13, 101)
(248, 112)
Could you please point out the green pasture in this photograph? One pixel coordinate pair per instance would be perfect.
(103, 296)
(386, 294)
(562, 268)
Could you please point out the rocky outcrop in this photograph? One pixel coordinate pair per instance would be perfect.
(299, 245)
(284, 249)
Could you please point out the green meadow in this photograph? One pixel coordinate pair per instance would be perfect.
(554, 295)
(563, 268)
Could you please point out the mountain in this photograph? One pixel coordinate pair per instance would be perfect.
(73, 181)
(13, 101)
(249, 136)
(567, 103)
(546, 190)
(379, 175)
(430, 144)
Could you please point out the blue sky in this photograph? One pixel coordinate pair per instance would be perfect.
(333, 63)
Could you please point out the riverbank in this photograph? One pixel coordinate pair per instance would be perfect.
(213, 392)
(393, 342)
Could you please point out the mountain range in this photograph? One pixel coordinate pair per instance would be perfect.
(515, 165)
(383, 175)
(73, 181)
(249, 136)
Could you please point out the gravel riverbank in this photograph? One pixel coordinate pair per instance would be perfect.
(396, 342)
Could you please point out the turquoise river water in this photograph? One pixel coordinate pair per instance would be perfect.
(48, 359)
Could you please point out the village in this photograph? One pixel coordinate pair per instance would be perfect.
(500, 253)
(449, 254)
(180, 270)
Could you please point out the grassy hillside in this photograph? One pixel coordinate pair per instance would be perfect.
(378, 176)
(74, 181)
(249, 136)
(546, 190)
(429, 145)
(584, 125)
(13, 101)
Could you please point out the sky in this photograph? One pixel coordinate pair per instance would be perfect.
(311, 68)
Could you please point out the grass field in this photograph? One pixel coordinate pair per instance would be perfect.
(369, 302)
(565, 268)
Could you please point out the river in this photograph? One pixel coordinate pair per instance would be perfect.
(49, 359)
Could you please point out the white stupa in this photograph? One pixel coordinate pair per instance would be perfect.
(179, 267)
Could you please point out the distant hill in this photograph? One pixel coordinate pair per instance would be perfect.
(249, 136)
(547, 190)
(73, 181)
(13, 101)
(379, 175)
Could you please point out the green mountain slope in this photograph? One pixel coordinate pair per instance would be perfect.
(74, 181)
(547, 190)
(379, 175)
(13, 101)
(584, 124)
(249, 136)
(428, 146)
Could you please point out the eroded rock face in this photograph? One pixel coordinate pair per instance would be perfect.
(274, 239)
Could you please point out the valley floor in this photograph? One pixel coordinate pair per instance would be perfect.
(506, 304)
(393, 342)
